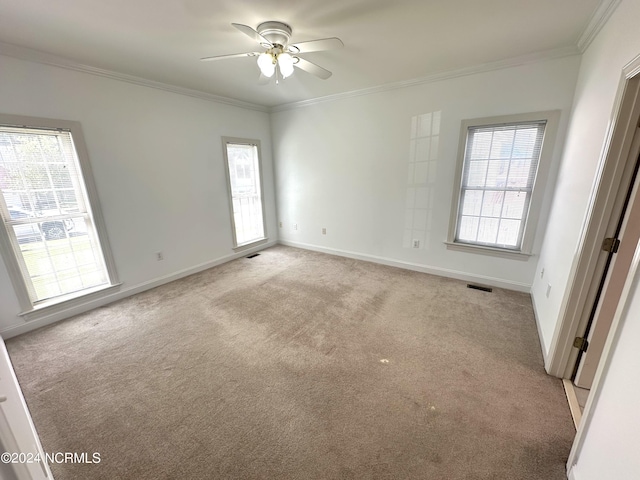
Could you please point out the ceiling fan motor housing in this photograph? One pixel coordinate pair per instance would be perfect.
(277, 33)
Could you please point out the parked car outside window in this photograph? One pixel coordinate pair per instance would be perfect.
(33, 232)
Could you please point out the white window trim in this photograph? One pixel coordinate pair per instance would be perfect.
(57, 304)
(552, 118)
(255, 143)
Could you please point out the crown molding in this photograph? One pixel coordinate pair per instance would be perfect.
(436, 77)
(37, 56)
(597, 21)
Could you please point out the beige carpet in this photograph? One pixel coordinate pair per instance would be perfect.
(299, 365)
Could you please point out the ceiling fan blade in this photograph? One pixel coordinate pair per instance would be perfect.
(312, 68)
(316, 45)
(250, 32)
(233, 55)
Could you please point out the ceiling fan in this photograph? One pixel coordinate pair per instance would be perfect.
(279, 55)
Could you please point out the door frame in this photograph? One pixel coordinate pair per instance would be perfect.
(615, 275)
(630, 286)
(587, 262)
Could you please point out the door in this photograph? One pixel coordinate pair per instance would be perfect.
(613, 279)
(17, 433)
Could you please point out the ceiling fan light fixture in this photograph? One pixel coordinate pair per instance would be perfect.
(285, 62)
(279, 54)
(267, 64)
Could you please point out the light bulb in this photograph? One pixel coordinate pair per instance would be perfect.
(266, 64)
(285, 62)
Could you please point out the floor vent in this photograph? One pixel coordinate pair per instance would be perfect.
(478, 287)
(254, 255)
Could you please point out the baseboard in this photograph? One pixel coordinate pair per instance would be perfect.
(441, 272)
(573, 475)
(16, 330)
(572, 400)
(543, 347)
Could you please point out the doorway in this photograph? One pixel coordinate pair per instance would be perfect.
(618, 253)
(591, 293)
(617, 256)
(615, 171)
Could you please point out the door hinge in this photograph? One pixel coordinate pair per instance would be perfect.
(581, 344)
(611, 245)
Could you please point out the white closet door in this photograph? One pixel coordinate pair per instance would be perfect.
(17, 432)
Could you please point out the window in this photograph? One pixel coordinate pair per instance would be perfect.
(49, 240)
(244, 176)
(497, 197)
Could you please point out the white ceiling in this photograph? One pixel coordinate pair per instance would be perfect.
(385, 41)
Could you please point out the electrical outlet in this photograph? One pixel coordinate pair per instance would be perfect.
(548, 289)
(416, 243)
(159, 256)
(324, 231)
(295, 226)
(280, 224)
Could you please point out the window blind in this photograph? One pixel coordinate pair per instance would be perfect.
(499, 172)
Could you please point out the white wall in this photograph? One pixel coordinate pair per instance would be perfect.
(157, 162)
(612, 442)
(600, 72)
(344, 165)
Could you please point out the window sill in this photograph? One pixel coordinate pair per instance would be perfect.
(247, 246)
(67, 301)
(495, 252)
